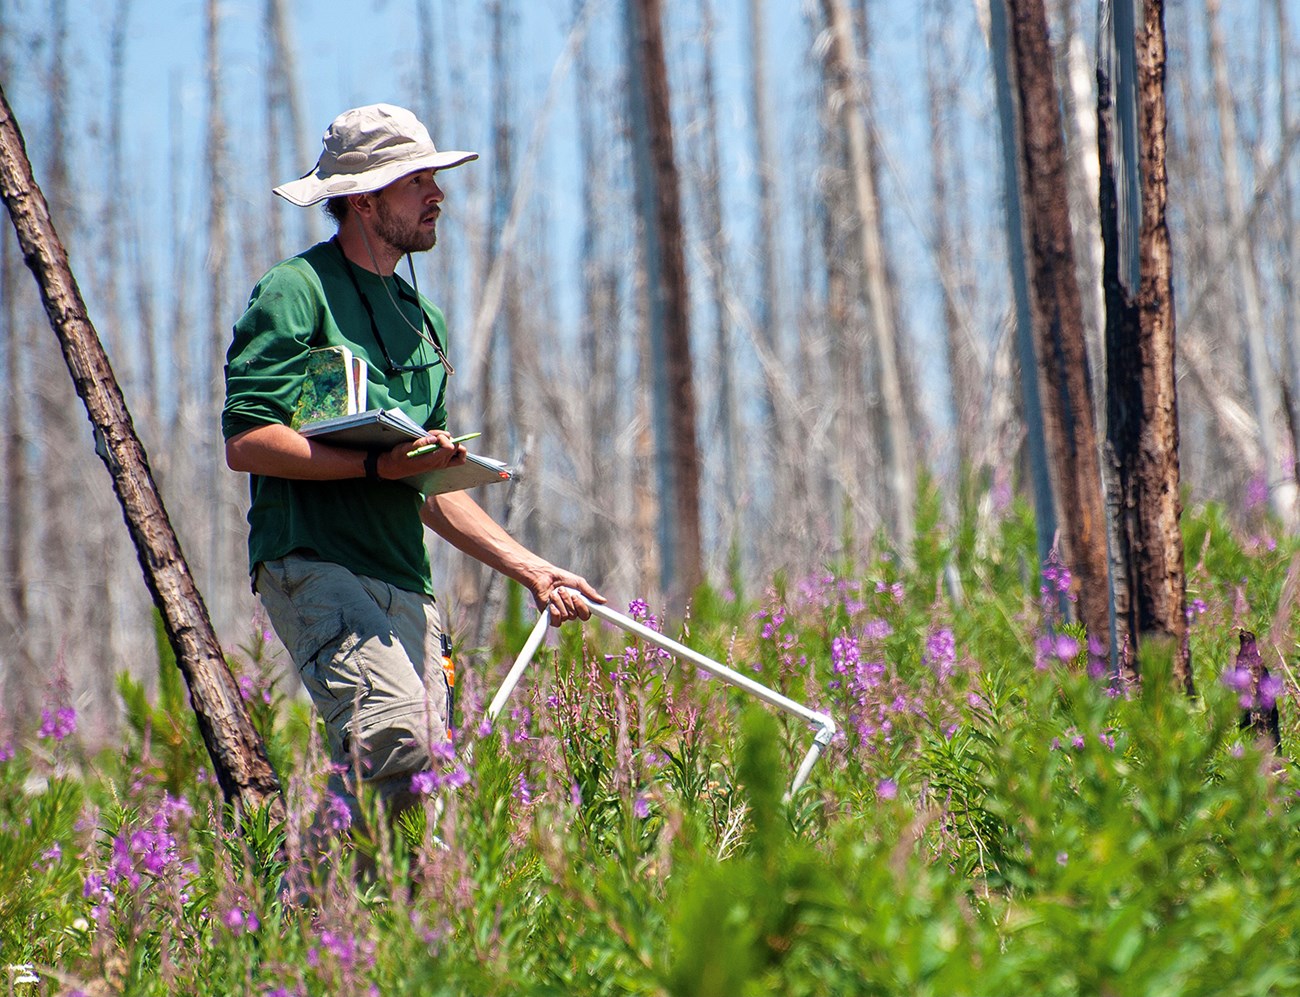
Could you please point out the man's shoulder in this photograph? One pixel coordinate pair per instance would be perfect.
(310, 265)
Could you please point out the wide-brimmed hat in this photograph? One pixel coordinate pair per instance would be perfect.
(367, 148)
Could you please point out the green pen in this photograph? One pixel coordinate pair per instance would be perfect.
(434, 446)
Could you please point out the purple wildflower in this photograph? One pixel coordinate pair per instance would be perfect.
(58, 724)
(424, 783)
(887, 789)
(896, 590)
(941, 652)
(638, 609)
(641, 807)
(338, 817)
(1237, 679)
(1256, 492)
(6, 751)
(844, 654)
(876, 630)
(1270, 688)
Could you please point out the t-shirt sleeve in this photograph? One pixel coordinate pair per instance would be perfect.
(267, 359)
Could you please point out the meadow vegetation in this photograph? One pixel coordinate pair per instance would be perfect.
(995, 816)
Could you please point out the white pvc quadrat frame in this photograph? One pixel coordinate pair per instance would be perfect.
(824, 724)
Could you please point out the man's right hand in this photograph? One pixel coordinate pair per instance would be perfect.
(396, 464)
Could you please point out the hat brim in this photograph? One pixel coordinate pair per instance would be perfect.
(313, 188)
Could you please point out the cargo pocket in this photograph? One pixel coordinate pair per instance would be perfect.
(393, 740)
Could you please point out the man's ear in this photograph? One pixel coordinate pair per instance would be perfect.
(361, 203)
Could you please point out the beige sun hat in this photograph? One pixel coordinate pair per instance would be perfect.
(367, 148)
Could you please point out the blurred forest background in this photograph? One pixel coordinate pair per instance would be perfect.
(845, 287)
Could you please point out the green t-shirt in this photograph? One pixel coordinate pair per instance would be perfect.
(371, 528)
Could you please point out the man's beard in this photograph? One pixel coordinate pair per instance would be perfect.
(405, 237)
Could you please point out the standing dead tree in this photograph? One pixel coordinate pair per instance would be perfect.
(1141, 398)
(1031, 406)
(658, 187)
(1058, 324)
(897, 434)
(1265, 392)
(238, 753)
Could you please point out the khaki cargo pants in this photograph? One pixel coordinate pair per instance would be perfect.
(361, 647)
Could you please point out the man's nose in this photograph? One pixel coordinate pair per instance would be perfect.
(435, 193)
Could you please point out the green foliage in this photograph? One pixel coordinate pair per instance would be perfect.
(990, 819)
(39, 872)
(165, 741)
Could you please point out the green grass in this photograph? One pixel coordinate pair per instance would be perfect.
(990, 819)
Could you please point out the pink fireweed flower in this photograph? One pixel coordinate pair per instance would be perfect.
(1270, 688)
(876, 629)
(58, 724)
(338, 817)
(1256, 492)
(895, 590)
(941, 653)
(1237, 679)
(887, 789)
(424, 783)
(844, 654)
(238, 921)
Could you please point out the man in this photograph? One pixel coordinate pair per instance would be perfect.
(336, 543)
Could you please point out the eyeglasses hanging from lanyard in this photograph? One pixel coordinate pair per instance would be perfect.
(427, 334)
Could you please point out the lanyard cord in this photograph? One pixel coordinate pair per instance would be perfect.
(420, 330)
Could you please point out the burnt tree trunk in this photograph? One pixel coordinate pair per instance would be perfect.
(897, 438)
(1141, 399)
(238, 754)
(673, 395)
(1058, 317)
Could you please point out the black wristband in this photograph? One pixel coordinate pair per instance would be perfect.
(372, 465)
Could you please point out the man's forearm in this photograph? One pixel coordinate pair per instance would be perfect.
(280, 452)
(461, 521)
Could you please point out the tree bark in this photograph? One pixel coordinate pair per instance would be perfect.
(238, 754)
(1058, 325)
(1264, 390)
(1142, 403)
(676, 444)
(1035, 450)
(963, 366)
(900, 450)
(735, 475)
(17, 685)
(770, 316)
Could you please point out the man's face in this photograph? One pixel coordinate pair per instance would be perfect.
(406, 212)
